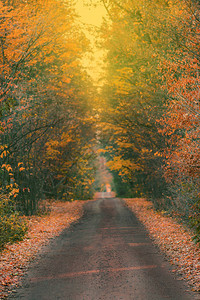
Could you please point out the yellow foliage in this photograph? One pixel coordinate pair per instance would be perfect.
(99, 151)
(21, 169)
(3, 154)
(125, 166)
(7, 167)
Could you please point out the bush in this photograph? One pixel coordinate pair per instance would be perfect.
(183, 202)
(195, 221)
(12, 226)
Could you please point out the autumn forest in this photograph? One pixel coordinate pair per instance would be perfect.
(143, 116)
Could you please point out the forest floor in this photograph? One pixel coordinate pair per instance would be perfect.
(16, 257)
(173, 238)
(107, 254)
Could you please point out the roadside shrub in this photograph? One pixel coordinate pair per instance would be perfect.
(12, 226)
(195, 221)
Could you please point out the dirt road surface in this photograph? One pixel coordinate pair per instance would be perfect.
(106, 255)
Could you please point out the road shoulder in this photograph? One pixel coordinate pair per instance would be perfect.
(174, 240)
(16, 258)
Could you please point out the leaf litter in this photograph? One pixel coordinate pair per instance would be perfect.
(15, 258)
(174, 240)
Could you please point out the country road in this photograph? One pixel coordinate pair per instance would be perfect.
(106, 255)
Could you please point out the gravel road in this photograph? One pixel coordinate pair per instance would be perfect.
(106, 255)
